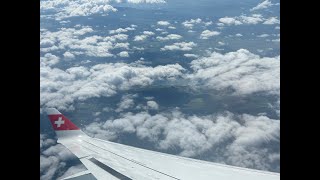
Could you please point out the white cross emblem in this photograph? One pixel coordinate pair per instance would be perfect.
(59, 122)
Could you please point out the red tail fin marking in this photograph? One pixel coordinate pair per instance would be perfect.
(60, 122)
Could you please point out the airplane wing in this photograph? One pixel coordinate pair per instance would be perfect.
(109, 160)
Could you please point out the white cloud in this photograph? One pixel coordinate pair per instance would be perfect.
(144, 36)
(127, 101)
(118, 31)
(206, 34)
(263, 35)
(163, 23)
(228, 138)
(208, 23)
(272, 20)
(148, 33)
(72, 40)
(152, 105)
(46, 43)
(169, 37)
(68, 55)
(229, 21)
(138, 48)
(171, 27)
(239, 35)
(117, 37)
(146, 1)
(140, 37)
(121, 46)
(262, 5)
(49, 60)
(189, 24)
(182, 46)
(66, 9)
(60, 88)
(253, 19)
(241, 71)
(124, 54)
(191, 55)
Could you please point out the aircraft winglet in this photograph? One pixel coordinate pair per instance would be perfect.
(59, 122)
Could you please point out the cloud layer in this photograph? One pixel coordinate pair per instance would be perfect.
(81, 41)
(249, 20)
(60, 88)
(242, 140)
(66, 8)
(242, 71)
(206, 34)
(181, 46)
(263, 5)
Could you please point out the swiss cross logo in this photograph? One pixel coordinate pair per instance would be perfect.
(59, 122)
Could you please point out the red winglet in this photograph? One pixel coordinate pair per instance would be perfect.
(59, 122)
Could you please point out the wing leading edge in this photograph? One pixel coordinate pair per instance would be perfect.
(108, 160)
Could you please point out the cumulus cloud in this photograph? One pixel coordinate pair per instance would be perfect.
(124, 54)
(206, 34)
(148, 33)
(190, 24)
(121, 30)
(182, 46)
(49, 59)
(253, 19)
(229, 21)
(65, 9)
(140, 37)
(60, 88)
(272, 20)
(146, 1)
(190, 55)
(152, 105)
(169, 37)
(127, 101)
(241, 71)
(121, 46)
(242, 140)
(144, 36)
(163, 23)
(72, 40)
(263, 35)
(68, 55)
(263, 5)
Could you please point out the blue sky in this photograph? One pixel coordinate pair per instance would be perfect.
(194, 78)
